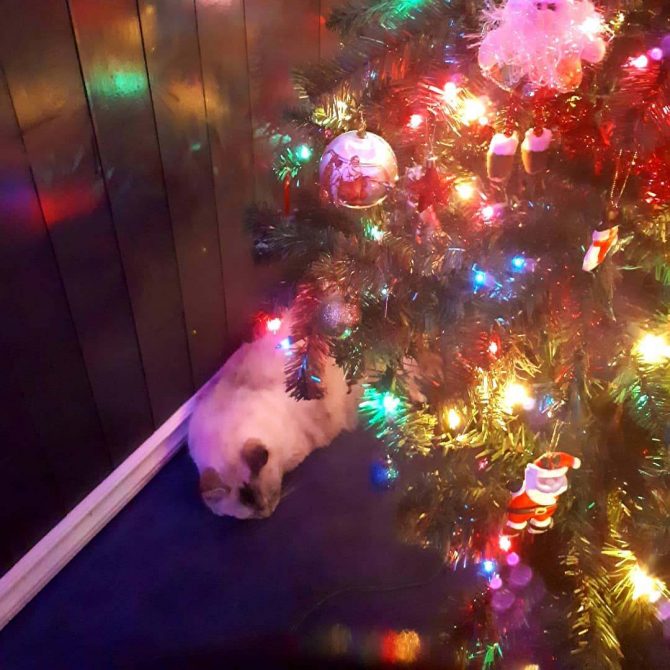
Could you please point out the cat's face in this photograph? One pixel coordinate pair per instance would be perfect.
(250, 488)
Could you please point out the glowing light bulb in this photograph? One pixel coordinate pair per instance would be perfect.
(376, 233)
(653, 349)
(472, 109)
(592, 26)
(450, 92)
(273, 325)
(465, 190)
(517, 395)
(479, 278)
(641, 62)
(285, 344)
(488, 566)
(453, 419)
(304, 152)
(390, 402)
(644, 585)
(415, 121)
(495, 583)
(493, 347)
(656, 54)
(504, 542)
(518, 263)
(488, 212)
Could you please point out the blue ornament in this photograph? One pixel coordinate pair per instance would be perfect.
(383, 474)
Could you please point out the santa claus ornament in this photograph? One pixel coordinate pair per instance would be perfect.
(543, 42)
(534, 504)
(357, 170)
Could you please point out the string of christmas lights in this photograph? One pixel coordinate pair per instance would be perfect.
(485, 250)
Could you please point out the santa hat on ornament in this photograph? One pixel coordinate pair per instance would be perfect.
(556, 464)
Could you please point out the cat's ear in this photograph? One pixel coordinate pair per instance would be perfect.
(255, 455)
(212, 486)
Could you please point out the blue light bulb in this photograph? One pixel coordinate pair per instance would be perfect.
(518, 263)
(480, 278)
(488, 566)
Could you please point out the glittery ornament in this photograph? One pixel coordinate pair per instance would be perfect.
(337, 315)
(357, 170)
(383, 474)
(542, 42)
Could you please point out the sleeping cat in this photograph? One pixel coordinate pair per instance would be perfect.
(246, 431)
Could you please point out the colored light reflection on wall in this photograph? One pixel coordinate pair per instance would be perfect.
(120, 84)
(402, 647)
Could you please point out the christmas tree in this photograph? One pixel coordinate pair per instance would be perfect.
(483, 244)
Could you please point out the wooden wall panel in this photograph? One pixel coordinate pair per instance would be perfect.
(112, 60)
(223, 52)
(170, 38)
(38, 333)
(281, 36)
(51, 109)
(29, 500)
(133, 135)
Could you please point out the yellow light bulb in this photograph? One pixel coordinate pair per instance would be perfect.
(644, 585)
(653, 349)
(516, 395)
(465, 190)
(472, 109)
(453, 419)
(592, 26)
(450, 92)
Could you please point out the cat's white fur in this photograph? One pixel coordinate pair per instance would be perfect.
(246, 432)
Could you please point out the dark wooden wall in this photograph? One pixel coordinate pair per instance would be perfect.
(131, 140)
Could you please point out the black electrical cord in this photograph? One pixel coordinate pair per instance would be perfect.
(364, 589)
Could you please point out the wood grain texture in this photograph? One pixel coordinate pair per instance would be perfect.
(38, 333)
(223, 52)
(170, 37)
(281, 36)
(133, 136)
(29, 500)
(52, 113)
(112, 60)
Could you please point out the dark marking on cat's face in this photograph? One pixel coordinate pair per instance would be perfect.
(212, 486)
(248, 496)
(255, 455)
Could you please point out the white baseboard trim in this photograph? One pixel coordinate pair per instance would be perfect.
(61, 544)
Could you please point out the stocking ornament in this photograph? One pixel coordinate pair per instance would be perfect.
(534, 504)
(606, 236)
(602, 242)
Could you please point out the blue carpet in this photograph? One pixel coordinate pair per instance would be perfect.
(167, 584)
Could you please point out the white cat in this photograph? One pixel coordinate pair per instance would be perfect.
(246, 432)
